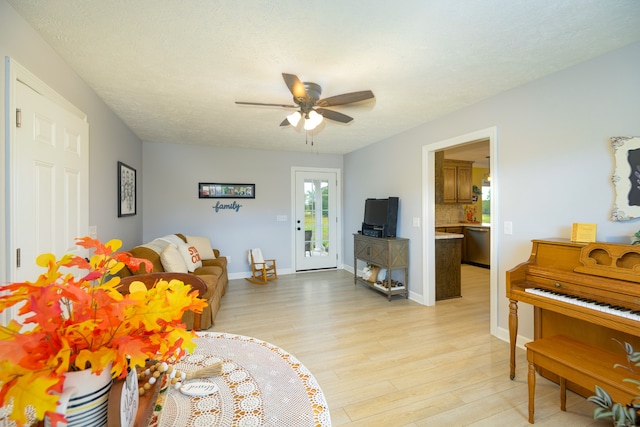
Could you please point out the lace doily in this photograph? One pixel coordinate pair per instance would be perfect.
(261, 385)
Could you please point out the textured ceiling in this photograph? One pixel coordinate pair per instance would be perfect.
(173, 69)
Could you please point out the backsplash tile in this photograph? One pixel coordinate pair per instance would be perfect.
(449, 213)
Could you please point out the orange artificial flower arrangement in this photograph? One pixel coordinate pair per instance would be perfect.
(68, 323)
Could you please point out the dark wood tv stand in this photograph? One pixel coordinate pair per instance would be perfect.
(391, 253)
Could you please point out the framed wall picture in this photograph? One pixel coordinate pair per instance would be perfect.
(626, 178)
(209, 190)
(126, 190)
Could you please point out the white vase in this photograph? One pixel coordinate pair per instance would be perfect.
(84, 399)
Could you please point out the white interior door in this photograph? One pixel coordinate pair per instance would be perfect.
(316, 220)
(49, 181)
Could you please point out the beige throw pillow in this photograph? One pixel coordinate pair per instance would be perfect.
(203, 245)
(191, 257)
(172, 260)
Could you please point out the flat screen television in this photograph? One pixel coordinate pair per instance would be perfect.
(380, 217)
(375, 212)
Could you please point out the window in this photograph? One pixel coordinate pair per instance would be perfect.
(486, 203)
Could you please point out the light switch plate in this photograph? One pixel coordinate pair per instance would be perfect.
(508, 227)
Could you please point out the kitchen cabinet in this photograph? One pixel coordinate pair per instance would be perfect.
(455, 230)
(447, 229)
(448, 260)
(457, 181)
(391, 253)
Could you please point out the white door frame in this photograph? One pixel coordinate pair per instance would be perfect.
(339, 213)
(428, 216)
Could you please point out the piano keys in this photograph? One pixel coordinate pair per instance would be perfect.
(589, 292)
(592, 304)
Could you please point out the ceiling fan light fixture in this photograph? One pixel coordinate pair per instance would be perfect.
(309, 124)
(312, 120)
(294, 118)
(317, 118)
(306, 97)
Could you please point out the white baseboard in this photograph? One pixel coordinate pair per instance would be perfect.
(503, 334)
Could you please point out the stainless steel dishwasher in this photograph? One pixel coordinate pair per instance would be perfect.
(477, 241)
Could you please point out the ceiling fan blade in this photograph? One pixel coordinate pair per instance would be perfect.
(334, 115)
(285, 122)
(345, 98)
(295, 86)
(267, 105)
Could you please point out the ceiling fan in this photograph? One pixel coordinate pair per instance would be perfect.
(306, 96)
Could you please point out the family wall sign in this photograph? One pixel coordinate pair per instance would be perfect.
(235, 206)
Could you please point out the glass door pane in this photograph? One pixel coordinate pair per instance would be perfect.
(316, 224)
(316, 220)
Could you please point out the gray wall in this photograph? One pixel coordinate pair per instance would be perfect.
(554, 162)
(109, 139)
(171, 204)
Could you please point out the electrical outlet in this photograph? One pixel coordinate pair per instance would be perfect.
(228, 259)
(416, 221)
(93, 231)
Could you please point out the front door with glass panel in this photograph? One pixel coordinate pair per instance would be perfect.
(316, 220)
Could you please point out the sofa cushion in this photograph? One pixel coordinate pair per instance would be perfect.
(211, 276)
(220, 261)
(172, 260)
(191, 256)
(211, 270)
(203, 245)
(212, 284)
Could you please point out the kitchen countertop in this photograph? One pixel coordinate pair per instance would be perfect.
(441, 235)
(464, 224)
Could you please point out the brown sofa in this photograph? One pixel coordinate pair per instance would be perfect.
(213, 273)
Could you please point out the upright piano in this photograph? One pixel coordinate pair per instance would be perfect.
(589, 292)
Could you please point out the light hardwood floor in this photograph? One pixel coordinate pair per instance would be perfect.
(397, 363)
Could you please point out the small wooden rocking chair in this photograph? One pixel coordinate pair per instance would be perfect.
(262, 270)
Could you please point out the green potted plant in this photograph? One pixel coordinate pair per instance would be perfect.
(622, 415)
(71, 322)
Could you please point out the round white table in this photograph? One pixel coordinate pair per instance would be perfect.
(261, 385)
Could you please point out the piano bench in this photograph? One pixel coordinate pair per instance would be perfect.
(579, 363)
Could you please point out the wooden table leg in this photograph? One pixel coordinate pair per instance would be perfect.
(563, 394)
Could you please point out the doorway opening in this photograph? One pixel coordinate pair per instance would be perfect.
(429, 214)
